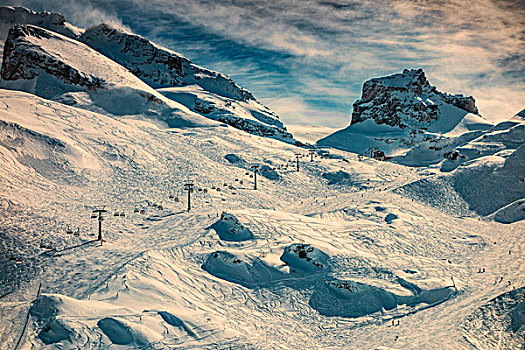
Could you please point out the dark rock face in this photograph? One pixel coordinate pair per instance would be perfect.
(22, 59)
(404, 99)
(157, 66)
(255, 128)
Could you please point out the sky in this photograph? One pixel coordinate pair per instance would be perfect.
(307, 60)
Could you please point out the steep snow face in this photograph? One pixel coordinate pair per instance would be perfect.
(49, 65)
(157, 66)
(11, 16)
(407, 100)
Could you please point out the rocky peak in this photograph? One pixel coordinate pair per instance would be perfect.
(11, 16)
(157, 66)
(405, 99)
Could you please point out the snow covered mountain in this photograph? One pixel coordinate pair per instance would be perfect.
(333, 250)
(203, 91)
(403, 111)
(106, 74)
(407, 100)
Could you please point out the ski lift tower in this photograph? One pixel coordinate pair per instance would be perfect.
(98, 213)
(297, 156)
(188, 186)
(255, 171)
(311, 153)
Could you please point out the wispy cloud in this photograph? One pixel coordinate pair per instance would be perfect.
(313, 56)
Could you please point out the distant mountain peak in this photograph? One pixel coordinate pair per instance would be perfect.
(406, 99)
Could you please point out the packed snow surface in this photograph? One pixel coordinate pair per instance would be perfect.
(301, 262)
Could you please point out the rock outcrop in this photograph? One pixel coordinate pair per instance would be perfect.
(405, 100)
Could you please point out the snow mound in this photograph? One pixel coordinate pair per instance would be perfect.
(229, 228)
(44, 310)
(304, 258)
(234, 159)
(510, 213)
(176, 322)
(118, 332)
(337, 177)
(249, 273)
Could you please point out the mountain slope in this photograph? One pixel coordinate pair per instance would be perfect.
(203, 91)
(55, 67)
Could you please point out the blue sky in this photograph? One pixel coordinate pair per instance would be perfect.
(307, 60)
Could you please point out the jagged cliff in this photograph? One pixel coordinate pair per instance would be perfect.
(404, 100)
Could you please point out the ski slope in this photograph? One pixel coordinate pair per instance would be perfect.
(170, 279)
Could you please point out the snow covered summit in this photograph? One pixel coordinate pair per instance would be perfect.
(403, 112)
(407, 100)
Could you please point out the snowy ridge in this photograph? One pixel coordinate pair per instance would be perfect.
(203, 91)
(11, 16)
(157, 66)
